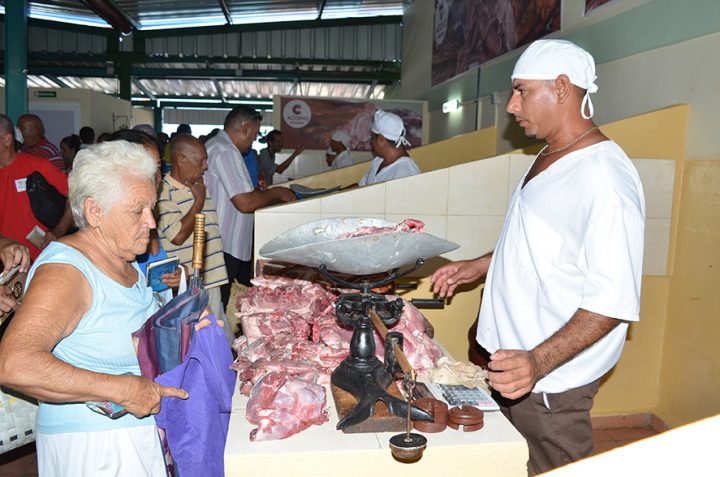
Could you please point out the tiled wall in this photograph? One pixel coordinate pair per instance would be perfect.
(466, 204)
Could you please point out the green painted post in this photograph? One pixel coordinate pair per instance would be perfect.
(158, 113)
(125, 80)
(16, 45)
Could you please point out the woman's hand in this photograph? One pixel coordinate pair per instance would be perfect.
(204, 322)
(142, 396)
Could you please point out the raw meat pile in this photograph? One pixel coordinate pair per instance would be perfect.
(292, 343)
(407, 225)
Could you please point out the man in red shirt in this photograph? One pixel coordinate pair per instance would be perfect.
(16, 217)
(35, 142)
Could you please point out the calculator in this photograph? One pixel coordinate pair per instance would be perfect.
(459, 395)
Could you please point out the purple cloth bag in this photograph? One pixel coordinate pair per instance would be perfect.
(164, 339)
(197, 427)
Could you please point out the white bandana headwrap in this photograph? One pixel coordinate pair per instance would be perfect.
(342, 137)
(548, 59)
(390, 126)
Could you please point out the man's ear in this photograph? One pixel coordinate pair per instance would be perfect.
(244, 132)
(563, 88)
(93, 212)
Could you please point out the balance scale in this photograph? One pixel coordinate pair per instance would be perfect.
(361, 381)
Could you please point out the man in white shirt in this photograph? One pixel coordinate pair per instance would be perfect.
(339, 151)
(388, 143)
(235, 197)
(563, 282)
(266, 159)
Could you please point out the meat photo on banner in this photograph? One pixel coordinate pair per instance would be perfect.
(593, 4)
(467, 33)
(309, 122)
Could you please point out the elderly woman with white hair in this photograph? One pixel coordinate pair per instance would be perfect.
(388, 144)
(70, 341)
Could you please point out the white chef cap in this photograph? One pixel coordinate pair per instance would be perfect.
(330, 152)
(548, 59)
(341, 137)
(390, 126)
(18, 135)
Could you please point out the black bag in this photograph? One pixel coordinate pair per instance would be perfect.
(47, 204)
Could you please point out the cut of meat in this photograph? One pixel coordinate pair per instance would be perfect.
(421, 351)
(307, 300)
(277, 323)
(292, 344)
(282, 406)
(297, 357)
(407, 225)
(326, 329)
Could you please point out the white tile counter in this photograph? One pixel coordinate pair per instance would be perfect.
(496, 450)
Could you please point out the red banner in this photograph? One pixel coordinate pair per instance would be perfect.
(467, 33)
(309, 122)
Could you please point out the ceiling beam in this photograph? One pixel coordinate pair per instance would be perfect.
(321, 8)
(371, 89)
(142, 88)
(217, 29)
(266, 103)
(57, 81)
(219, 89)
(249, 27)
(56, 58)
(62, 26)
(382, 77)
(111, 13)
(226, 11)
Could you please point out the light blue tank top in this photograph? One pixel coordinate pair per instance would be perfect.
(101, 342)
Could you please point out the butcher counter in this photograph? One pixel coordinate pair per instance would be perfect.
(496, 450)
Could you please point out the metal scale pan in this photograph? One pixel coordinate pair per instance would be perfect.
(316, 243)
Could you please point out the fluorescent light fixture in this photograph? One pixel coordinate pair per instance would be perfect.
(452, 105)
(252, 102)
(59, 16)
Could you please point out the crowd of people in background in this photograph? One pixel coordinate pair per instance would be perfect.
(219, 174)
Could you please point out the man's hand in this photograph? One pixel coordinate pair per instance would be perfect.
(198, 192)
(142, 396)
(172, 279)
(285, 194)
(513, 373)
(7, 302)
(12, 253)
(447, 278)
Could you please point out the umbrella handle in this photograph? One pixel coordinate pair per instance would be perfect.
(198, 241)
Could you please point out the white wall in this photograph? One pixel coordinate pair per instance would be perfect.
(102, 112)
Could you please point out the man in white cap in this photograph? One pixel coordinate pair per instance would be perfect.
(388, 143)
(340, 147)
(563, 282)
(330, 156)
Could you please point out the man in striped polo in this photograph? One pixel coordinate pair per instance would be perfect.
(35, 142)
(182, 195)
